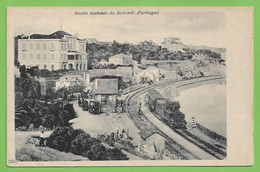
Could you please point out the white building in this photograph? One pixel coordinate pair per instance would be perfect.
(151, 73)
(121, 59)
(69, 80)
(58, 50)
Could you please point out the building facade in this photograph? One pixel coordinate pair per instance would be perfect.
(58, 50)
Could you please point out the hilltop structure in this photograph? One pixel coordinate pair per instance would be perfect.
(58, 50)
(173, 44)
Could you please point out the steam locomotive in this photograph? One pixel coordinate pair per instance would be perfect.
(166, 110)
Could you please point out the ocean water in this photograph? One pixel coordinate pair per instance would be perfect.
(207, 104)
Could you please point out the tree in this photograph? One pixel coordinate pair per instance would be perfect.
(21, 117)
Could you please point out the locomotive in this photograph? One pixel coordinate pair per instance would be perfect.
(166, 110)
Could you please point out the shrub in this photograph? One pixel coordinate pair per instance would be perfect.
(78, 142)
(61, 138)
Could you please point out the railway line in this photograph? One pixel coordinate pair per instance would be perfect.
(199, 148)
(211, 149)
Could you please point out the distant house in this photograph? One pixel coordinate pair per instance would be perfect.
(144, 76)
(69, 80)
(121, 59)
(103, 63)
(152, 141)
(91, 40)
(173, 44)
(105, 89)
(150, 73)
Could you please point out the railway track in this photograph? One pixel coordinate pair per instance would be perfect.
(205, 146)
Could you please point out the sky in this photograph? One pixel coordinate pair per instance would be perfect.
(193, 26)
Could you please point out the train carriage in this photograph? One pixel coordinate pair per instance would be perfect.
(166, 110)
(153, 96)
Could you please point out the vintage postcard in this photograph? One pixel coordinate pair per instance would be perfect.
(132, 86)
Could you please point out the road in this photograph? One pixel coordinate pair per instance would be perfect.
(104, 123)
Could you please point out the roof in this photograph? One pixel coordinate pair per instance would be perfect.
(146, 134)
(155, 94)
(105, 86)
(56, 35)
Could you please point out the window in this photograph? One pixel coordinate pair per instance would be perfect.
(74, 45)
(71, 57)
(31, 46)
(52, 67)
(52, 57)
(52, 46)
(38, 57)
(31, 57)
(24, 46)
(38, 46)
(45, 67)
(45, 56)
(44, 46)
(61, 56)
(24, 56)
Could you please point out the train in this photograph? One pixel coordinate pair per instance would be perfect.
(166, 110)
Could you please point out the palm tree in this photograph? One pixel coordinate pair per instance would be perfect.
(21, 117)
